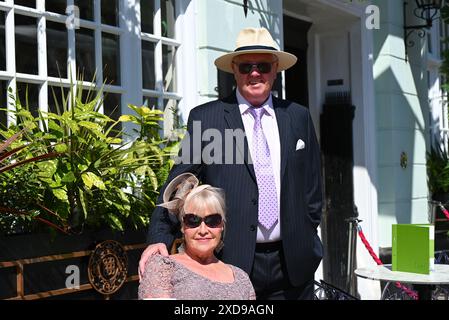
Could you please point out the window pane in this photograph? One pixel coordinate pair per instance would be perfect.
(168, 18)
(26, 3)
(146, 15)
(112, 107)
(56, 49)
(150, 102)
(2, 42)
(111, 58)
(56, 96)
(171, 117)
(3, 103)
(58, 6)
(86, 8)
(168, 67)
(30, 102)
(85, 53)
(26, 44)
(148, 65)
(88, 95)
(109, 12)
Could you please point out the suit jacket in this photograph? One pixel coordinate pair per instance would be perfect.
(301, 196)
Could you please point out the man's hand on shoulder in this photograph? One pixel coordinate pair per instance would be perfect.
(149, 251)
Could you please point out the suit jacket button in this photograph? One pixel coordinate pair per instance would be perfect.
(254, 201)
(252, 228)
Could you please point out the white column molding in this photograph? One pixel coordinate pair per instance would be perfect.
(10, 60)
(42, 56)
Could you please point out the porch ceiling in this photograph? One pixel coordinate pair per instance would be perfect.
(325, 14)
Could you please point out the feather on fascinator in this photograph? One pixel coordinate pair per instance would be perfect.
(177, 191)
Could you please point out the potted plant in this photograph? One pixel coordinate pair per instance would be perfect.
(97, 179)
(93, 187)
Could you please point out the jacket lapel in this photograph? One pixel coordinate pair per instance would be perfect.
(283, 121)
(234, 121)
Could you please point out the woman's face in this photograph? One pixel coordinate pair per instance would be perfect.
(204, 238)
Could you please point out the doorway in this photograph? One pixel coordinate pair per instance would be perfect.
(295, 42)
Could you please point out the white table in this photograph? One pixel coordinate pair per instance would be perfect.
(423, 283)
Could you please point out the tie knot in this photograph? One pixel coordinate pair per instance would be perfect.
(257, 112)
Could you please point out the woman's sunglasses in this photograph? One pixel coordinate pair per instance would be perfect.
(193, 221)
(262, 67)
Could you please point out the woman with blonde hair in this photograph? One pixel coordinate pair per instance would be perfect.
(195, 272)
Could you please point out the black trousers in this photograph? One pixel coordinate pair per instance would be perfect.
(270, 278)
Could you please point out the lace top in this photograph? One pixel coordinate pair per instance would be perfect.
(166, 278)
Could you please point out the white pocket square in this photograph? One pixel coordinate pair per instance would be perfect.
(300, 145)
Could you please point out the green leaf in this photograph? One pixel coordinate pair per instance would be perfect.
(116, 222)
(82, 167)
(61, 148)
(126, 118)
(91, 179)
(69, 177)
(53, 126)
(61, 194)
(83, 202)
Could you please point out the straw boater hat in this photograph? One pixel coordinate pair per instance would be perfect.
(255, 40)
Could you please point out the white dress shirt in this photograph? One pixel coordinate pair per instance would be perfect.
(271, 132)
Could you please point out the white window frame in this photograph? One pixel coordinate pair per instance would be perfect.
(131, 86)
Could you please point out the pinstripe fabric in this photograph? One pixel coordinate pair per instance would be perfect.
(301, 196)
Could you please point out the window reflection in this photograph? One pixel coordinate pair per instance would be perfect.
(85, 53)
(2, 42)
(26, 44)
(150, 102)
(26, 3)
(56, 49)
(58, 6)
(3, 103)
(56, 97)
(147, 15)
(109, 12)
(168, 67)
(111, 58)
(148, 65)
(86, 8)
(168, 18)
(112, 107)
(28, 94)
(171, 117)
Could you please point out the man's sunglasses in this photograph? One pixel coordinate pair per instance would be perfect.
(193, 221)
(262, 67)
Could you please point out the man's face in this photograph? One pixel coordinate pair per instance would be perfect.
(256, 85)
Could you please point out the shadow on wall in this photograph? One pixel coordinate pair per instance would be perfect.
(399, 125)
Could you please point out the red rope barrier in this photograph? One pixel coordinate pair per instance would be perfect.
(444, 210)
(408, 291)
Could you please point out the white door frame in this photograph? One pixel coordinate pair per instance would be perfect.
(364, 124)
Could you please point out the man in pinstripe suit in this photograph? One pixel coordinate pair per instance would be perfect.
(272, 217)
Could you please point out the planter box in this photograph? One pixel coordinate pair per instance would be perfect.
(52, 256)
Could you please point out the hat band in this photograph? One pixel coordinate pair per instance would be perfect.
(255, 48)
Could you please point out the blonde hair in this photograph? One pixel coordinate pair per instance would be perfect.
(205, 196)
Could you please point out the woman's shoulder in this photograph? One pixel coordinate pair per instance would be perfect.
(239, 273)
(158, 260)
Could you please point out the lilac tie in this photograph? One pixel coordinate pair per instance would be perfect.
(268, 201)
